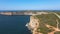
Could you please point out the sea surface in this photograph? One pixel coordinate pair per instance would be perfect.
(14, 24)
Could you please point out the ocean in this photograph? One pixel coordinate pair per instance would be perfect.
(14, 24)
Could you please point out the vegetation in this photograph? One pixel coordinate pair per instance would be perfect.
(49, 19)
(57, 32)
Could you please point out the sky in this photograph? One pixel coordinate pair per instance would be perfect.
(29, 4)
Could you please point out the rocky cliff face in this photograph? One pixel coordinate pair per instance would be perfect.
(33, 25)
(44, 23)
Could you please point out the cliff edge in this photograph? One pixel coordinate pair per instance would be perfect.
(44, 23)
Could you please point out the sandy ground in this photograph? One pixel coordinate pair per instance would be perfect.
(34, 24)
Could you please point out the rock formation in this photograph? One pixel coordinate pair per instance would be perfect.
(36, 25)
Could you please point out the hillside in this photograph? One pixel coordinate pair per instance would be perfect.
(45, 23)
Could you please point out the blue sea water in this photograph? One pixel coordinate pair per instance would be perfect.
(14, 24)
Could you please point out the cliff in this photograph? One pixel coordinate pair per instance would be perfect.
(45, 23)
(21, 13)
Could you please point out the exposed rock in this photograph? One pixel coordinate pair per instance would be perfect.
(35, 23)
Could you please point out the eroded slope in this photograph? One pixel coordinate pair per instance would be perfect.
(45, 23)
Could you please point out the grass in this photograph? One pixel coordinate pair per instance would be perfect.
(57, 32)
(47, 19)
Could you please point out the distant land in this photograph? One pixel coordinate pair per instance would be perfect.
(24, 12)
(29, 10)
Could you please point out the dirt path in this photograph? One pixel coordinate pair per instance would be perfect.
(34, 24)
(49, 26)
(57, 15)
(55, 29)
